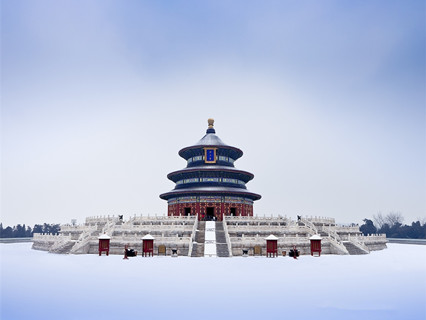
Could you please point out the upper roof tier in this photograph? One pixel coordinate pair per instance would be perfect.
(210, 140)
(210, 170)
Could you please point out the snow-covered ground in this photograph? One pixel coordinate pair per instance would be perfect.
(388, 284)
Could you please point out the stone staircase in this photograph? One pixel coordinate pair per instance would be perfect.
(198, 246)
(353, 249)
(312, 228)
(221, 245)
(63, 248)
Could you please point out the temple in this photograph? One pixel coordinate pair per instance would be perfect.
(210, 214)
(210, 186)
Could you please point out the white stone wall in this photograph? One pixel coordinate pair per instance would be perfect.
(177, 232)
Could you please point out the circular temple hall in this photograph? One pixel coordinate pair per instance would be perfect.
(210, 186)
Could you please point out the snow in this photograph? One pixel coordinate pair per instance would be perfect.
(148, 237)
(387, 284)
(271, 237)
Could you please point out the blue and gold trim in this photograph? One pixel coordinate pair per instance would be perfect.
(211, 180)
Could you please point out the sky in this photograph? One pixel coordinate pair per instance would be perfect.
(326, 99)
(383, 285)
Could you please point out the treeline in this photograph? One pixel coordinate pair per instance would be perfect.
(22, 231)
(392, 225)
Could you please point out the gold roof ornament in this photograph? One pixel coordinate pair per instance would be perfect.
(211, 123)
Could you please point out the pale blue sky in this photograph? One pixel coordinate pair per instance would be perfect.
(326, 99)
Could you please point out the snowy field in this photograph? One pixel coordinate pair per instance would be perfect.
(388, 284)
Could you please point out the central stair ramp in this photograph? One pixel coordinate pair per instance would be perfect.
(210, 239)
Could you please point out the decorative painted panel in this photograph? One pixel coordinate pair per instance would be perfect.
(210, 155)
(210, 199)
(210, 179)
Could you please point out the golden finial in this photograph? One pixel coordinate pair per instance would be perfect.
(210, 122)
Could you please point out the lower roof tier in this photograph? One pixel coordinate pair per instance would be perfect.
(210, 191)
(210, 182)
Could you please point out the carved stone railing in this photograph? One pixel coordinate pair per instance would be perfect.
(135, 227)
(228, 240)
(358, 241)
(101, 219)
(338, 244)
(61, 244)
(262, 239)
(81, 244)
(84, 240)
(279, 219)
(161, 218)
(76, 228)
(310, 226)
(191, 239)
(49, 237)
(331, 231)
(255, 219)
(242, 227)
(371, 238)
(347, 229)
(109, 228)
(320, 220)
(169, 241)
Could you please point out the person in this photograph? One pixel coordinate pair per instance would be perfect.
(296, 253)
(125, 251)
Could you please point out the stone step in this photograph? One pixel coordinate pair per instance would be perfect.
(198, 247)
(353, 249)
(222, 250)
(220, 237)
(221, 245)
(66, 248)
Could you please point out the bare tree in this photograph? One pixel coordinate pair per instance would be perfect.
(393, 218)
(379, 220)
